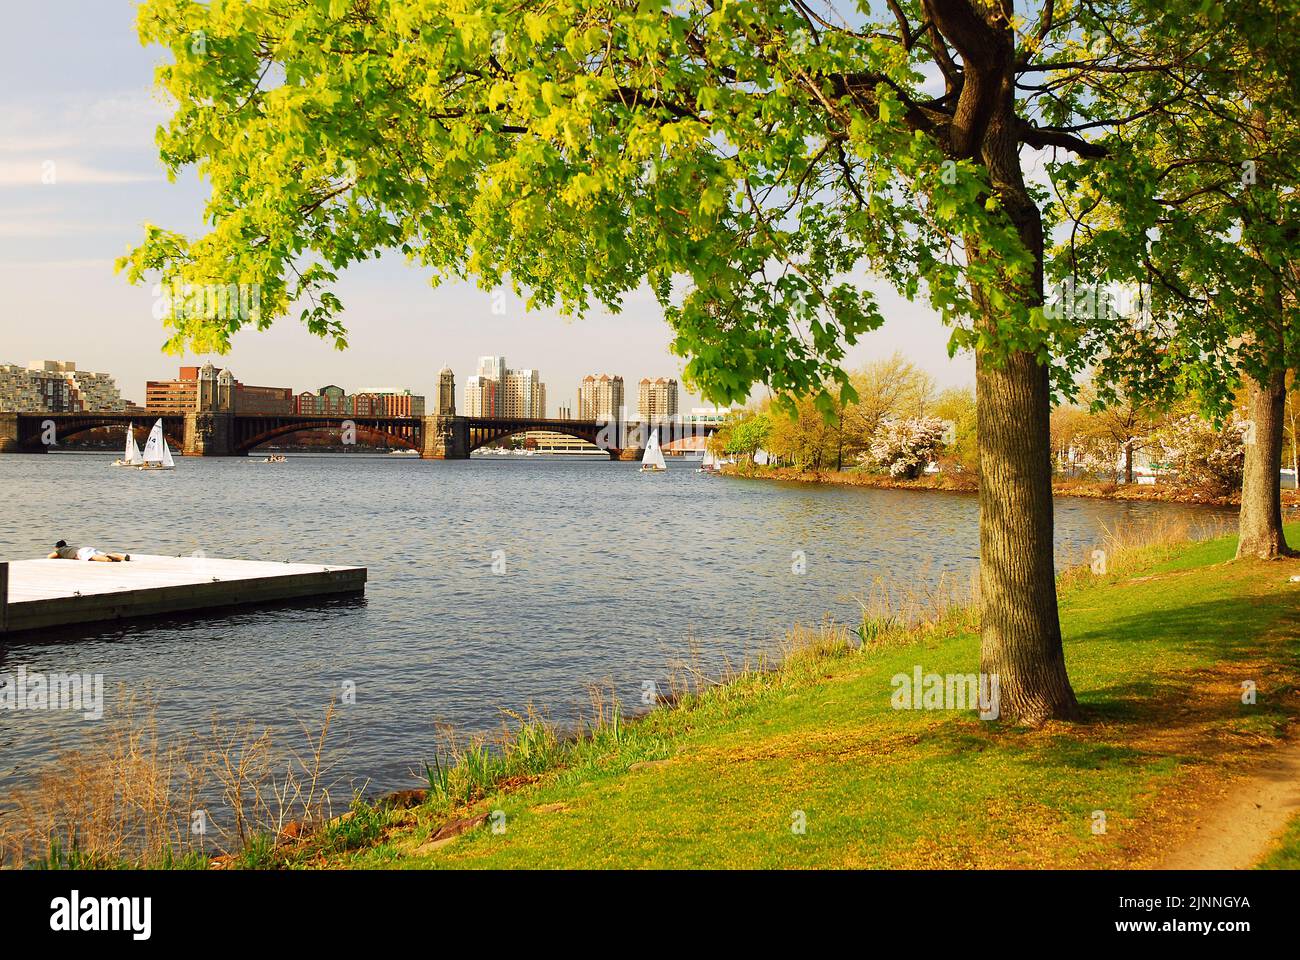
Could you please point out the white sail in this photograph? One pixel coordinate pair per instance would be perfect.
(654, 456)
(167, 460)
(132, 453)
(153, 447)
(709, 460)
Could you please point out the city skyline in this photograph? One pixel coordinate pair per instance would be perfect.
(92, 114)
(514, 393)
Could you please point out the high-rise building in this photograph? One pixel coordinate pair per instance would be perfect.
(57, 386)
(600, 398)
(494, 368)
(480, 397)
(656, 399)
(522, 394)
(498, 391)
(445, 399)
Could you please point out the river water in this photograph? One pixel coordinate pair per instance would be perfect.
(608, 575)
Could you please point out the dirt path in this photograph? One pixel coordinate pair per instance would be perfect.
(1233, 833)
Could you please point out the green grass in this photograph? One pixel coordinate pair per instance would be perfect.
(1157, 651)
(1285, 854)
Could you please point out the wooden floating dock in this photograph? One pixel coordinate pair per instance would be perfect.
(43, 594)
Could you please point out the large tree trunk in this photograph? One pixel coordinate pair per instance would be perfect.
(1260, 524)
(1020, 632)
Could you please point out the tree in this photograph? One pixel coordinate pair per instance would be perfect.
(905, 447)
(955, 407)
(892, 388)
(806, 437)
(744, 160)
(1069, 426)
(745, 433)
(1123, 425)
(1208, 220)
(1205, 457)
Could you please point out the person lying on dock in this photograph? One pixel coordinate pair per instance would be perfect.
(64, 552)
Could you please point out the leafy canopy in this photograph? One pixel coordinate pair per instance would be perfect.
(747, 160)
(1198, 201)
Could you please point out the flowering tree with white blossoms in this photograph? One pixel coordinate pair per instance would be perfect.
(1203, 456)
(904, 447)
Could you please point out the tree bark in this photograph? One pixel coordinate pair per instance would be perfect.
(1020, 631)
(1128, 462)
(1259, 526)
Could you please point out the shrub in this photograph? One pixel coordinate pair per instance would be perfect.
(904, 447)
(1204, 457)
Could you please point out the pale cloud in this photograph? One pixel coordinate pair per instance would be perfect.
(26, 267)
(91, 120)
(31, 226)
(53, 172)
(44, 144)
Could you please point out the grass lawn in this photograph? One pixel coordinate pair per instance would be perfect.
(1285, 854)
(1157, 650)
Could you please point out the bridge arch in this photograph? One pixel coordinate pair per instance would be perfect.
(621, 441)
(409, 439)
(485, 432)
(32, 437)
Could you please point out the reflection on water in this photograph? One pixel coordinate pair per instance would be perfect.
(608, 574)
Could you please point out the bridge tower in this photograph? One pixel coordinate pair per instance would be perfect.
(444, 438)
(8, 433)
(446, 400)
(210, 426)
(225, 402)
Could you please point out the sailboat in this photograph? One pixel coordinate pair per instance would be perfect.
(157, 455)
(708, 463)
(131, 456)
(653, 459)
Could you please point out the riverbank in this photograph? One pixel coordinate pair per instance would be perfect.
(968, 483)
(811, 765)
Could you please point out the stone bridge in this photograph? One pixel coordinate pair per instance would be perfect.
(225, 434)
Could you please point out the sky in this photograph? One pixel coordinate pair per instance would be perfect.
(79, 176)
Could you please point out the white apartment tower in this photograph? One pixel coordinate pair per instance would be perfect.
(600, 398)
(498, 391)
(656, 399)
(480, 397)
